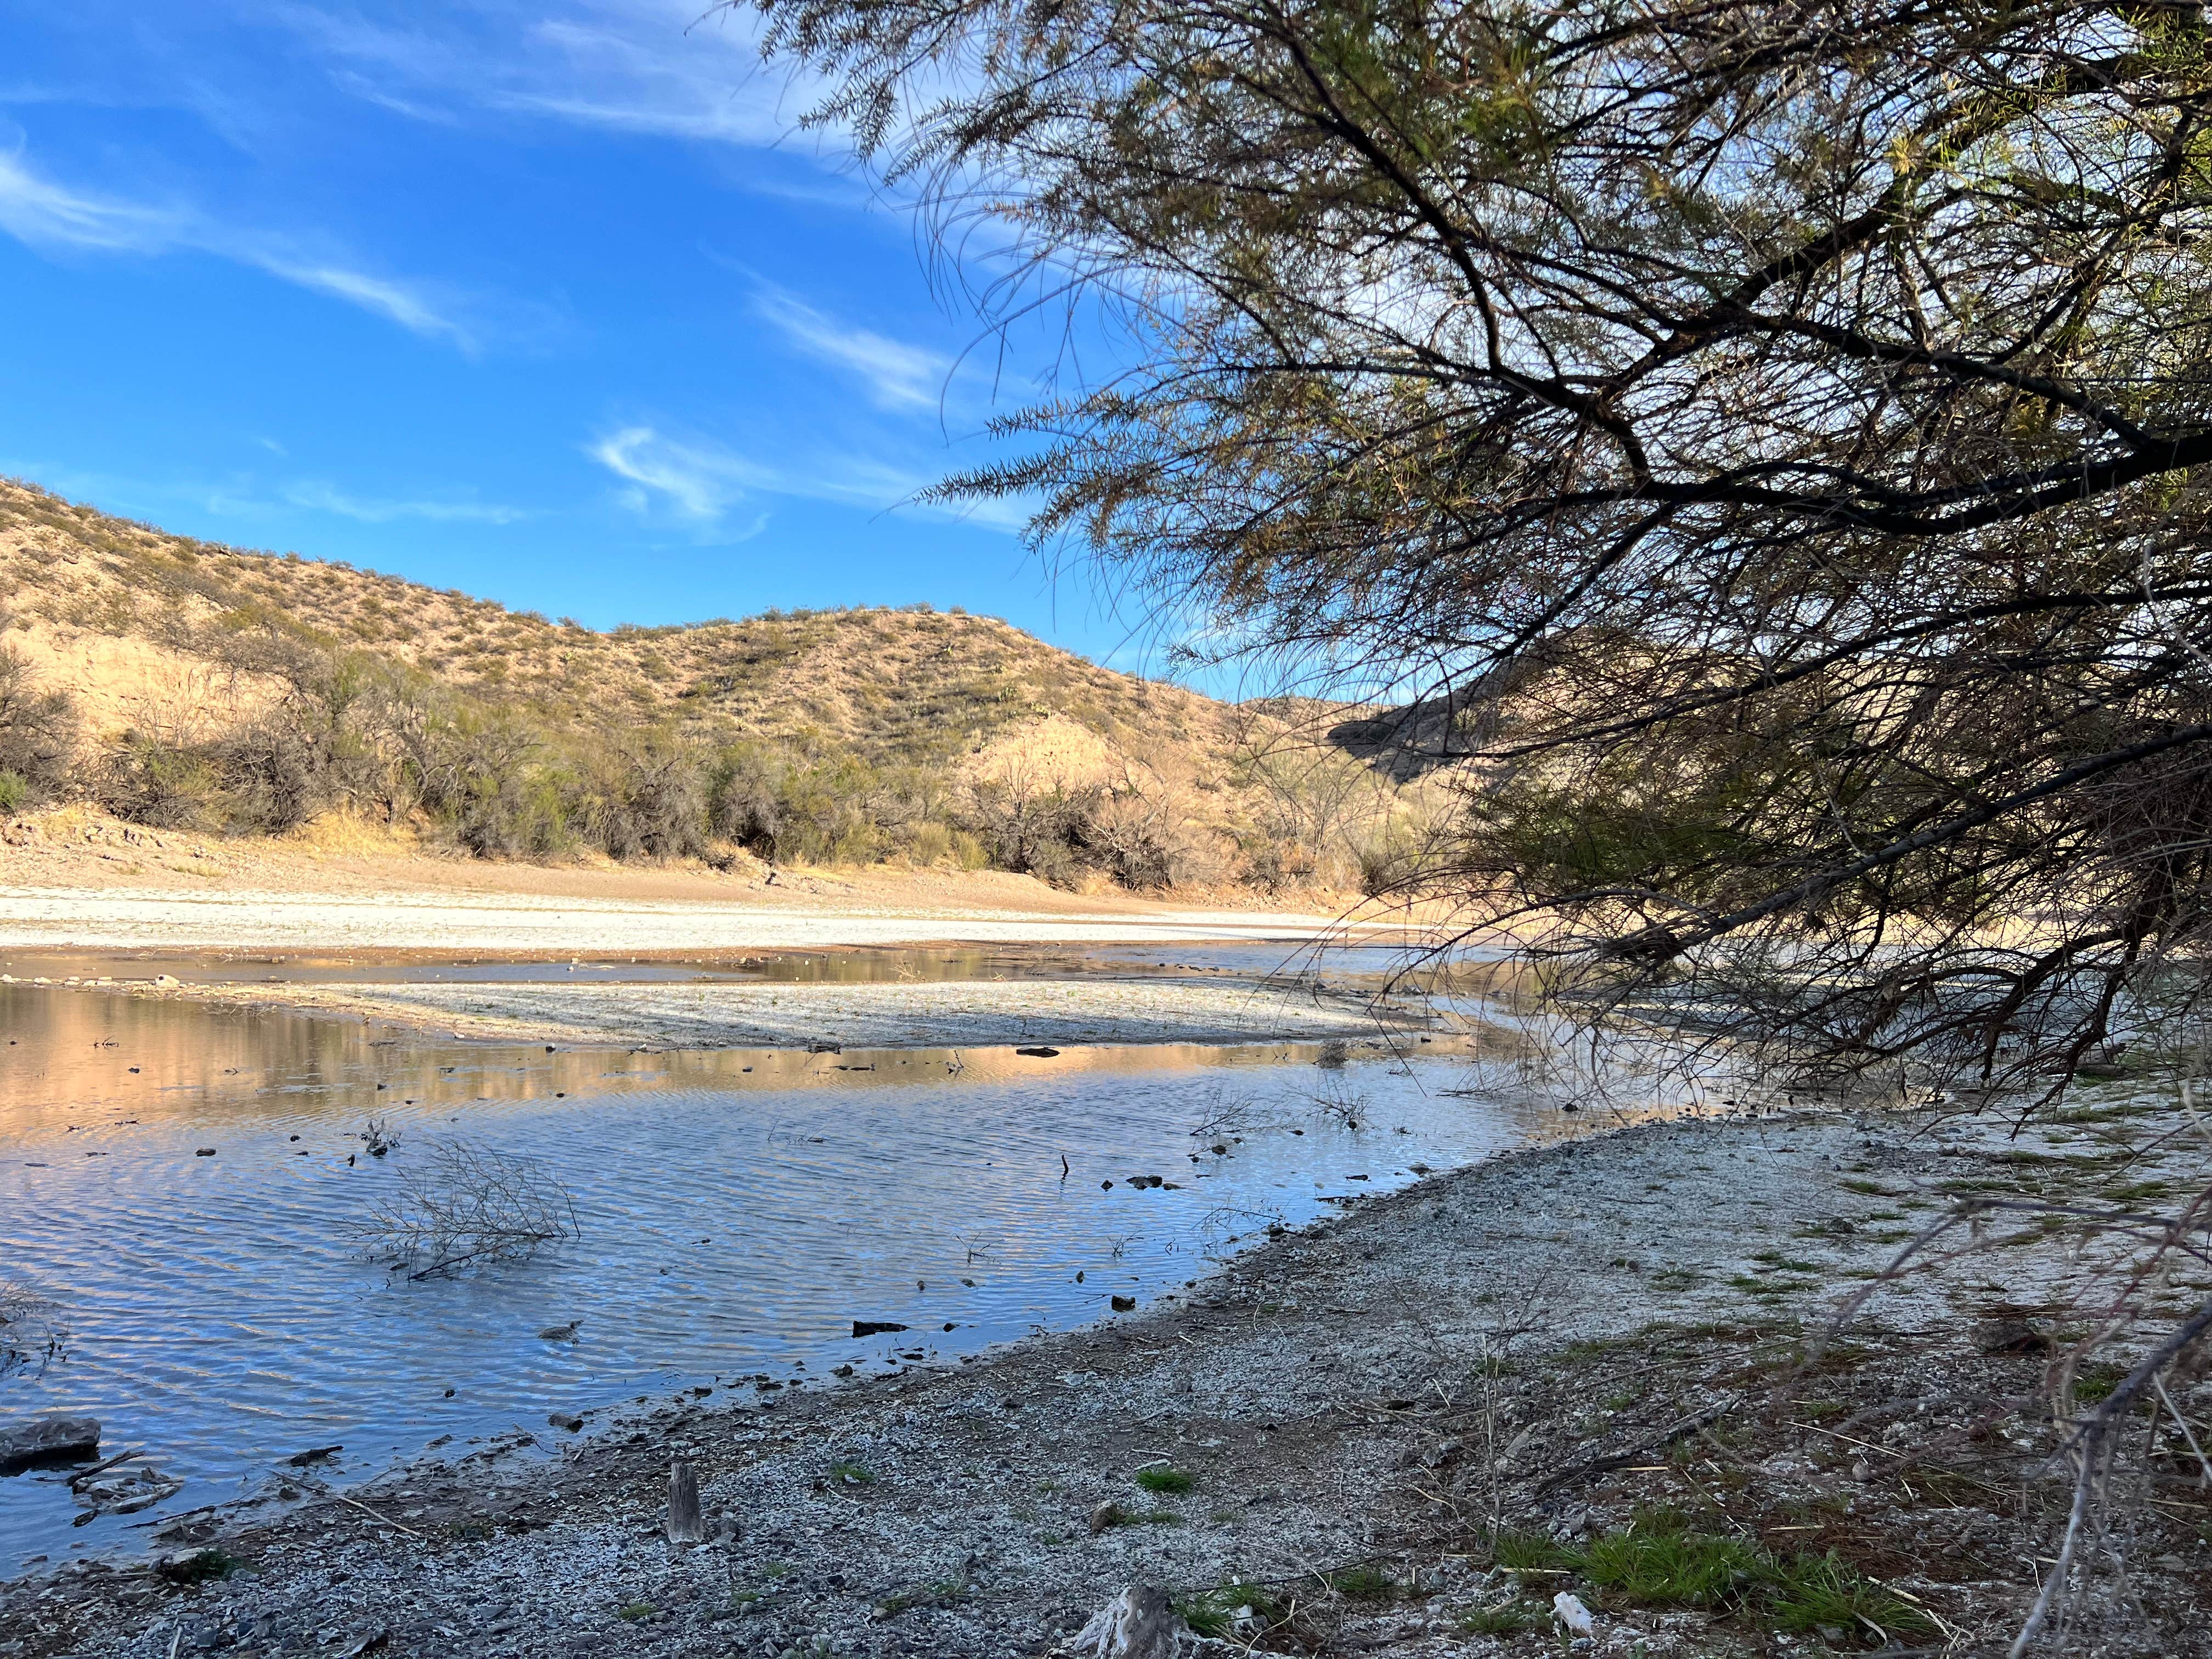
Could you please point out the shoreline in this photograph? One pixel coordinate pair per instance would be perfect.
(551, 926)
(1357, 1405)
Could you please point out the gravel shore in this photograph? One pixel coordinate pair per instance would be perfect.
(1325, 1448)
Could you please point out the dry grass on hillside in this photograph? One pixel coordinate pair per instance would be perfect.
(912, 683)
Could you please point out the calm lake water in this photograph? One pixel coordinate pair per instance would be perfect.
(740, 1209)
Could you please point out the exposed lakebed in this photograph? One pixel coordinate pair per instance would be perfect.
(740, 1209)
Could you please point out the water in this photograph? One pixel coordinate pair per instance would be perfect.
(740, 1209)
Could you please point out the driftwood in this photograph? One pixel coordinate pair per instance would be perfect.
(467, 1207)
(685, 1524)
(1140, 1623)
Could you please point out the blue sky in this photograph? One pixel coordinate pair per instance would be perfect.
(549, 302)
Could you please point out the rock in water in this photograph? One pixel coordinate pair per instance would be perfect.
(684, 1523)
(39, 1440)
(1137, 1624)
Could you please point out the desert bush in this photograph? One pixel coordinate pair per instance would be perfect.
(1142, 840)
(474, 775)
(159, 782)
(38, 732)
(646, 796)
(822, 807)
(1035, 828)
(274, 776)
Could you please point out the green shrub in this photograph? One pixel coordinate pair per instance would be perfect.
(1160, 1479)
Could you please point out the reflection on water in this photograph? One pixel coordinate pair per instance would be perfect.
(740, 1210)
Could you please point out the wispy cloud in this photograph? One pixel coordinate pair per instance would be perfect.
(45, 215)
(703, 483)
(42, 214)
(644, 66)
(323, 498)
(896, 375)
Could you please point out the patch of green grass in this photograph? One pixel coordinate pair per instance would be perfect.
(1534, 1551)
(633, 1612)
(852, 1475)
(938, 1593)
(1660, 1561)
(1871, 1188)
(2095, 1383)
(1364, 1582)
(1675, 1278)
(1506, 1619)
(1218, 1612)
(1804, 1592)
(199, 1566)
(1159, 1478)
(1663, 1559)
(1786, 1264)
(2135, 1191)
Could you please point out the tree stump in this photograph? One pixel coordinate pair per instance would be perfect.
(685, 1524)
(1137, 1624)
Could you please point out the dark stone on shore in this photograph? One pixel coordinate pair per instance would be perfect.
(41, 1441)
(567, 1421)
(1125, 1305)
(1040, 1053)
(312, 1455)
(875, 1327)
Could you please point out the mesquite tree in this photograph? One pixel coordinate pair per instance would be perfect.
(1773, 436)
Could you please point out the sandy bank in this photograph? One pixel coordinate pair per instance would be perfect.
(552, 925)
(950, 1014)
(1358, 1407)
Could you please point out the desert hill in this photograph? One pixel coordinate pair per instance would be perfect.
(909, 683)
(211, 685)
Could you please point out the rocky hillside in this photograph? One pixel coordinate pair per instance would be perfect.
(239, 689)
